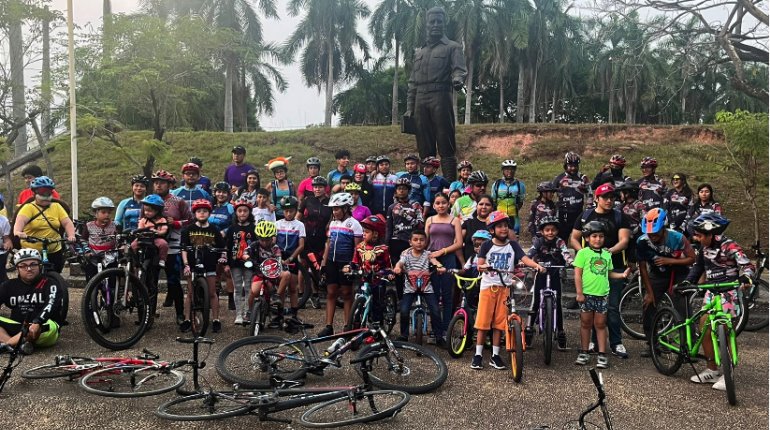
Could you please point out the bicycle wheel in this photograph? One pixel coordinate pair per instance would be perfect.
(357, 313)
(757, 304)
(457, 335)
(548, 330)
(359, 408)
(74, 368)
(115, 309)
(251, 361)
(131, 380)
(306, 287)
(418, 324)
(203, 406)
(726, 361)
(517, 353)
(419, 370)
(200, 307)
(669, 345)
(631, 309)
(64, 303)
(258, 316)
(390, 310)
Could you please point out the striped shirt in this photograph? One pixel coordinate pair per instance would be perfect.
(342, 239)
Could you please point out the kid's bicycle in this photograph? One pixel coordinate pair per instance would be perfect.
(546, 314)
(460, 330)
(200, 301)
(263, 307)
(514, 335)
(361, 311)
(418, 317)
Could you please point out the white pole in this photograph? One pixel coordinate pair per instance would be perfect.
(73, 112)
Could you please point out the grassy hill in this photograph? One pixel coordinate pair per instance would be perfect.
(105, 170)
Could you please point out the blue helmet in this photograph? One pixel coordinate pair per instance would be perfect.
(153, 200)
(654, 221)
(482, 234)
(42, 182)
(710, 223)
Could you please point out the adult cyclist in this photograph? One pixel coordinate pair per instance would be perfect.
(651, 187)
(130, 210)
(509, 193)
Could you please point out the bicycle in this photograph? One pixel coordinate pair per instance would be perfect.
(252, 361)
(200, 300)
(271, 269)
(514, 335)
(360, 312)
(15, 356)
(676, 340)
(418, 316)
(334, 406)
(460, 328)
(631, 305)
(313, 280)
(46, 269)
(145, 262)
(581, 423)
(757, 297)
(546, 315)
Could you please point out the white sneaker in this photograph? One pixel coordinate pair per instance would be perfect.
(720, 384)
(708, 376)
(238, 319)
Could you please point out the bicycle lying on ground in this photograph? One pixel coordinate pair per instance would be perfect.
(15, 356)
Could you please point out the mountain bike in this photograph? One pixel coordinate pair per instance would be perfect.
(460, 330)
(757, 297)
(313, 280)
(263, 307)
(251, 362)
(334, 406)
(46, 268)
(361, 311)
(418, 316)
(631, 305)
(676, 340)
(15, 356)
(200, 300)
(546, 314)
(514, 335)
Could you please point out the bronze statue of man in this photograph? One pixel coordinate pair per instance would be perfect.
(438, 67)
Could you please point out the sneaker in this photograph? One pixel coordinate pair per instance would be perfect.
(528, 333)
(720, 384)
(315, 301)
(476, 363)
(238, 320)
(619, 351)
(582, 359)
(561, 340)
(179, 319)
(326, 331)
(602, 362)
(591, 348)
(185, 326)
(162, 263)
(708, 376)
(247, 317)
(497, 362)
(230, 302)
(216, 326)
(167, 302)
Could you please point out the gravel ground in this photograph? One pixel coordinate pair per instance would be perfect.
(638, 396)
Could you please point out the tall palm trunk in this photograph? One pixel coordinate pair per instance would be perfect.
(501, 108)
(45, 78)
(469, 86)
(553, 108)
(520, 93)
(394, 94)
(329, 81)
(533, 95)
(16, 44)
(106, 29)
(229, 96)
(243, 106)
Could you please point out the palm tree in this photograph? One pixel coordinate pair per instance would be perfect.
(387, 26)
(327, 35)
(16, 14)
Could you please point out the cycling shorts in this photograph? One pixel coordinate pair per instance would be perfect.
(49, 331)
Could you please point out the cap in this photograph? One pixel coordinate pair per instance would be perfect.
(604, 189)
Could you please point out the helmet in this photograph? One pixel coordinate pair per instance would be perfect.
(352, 187)
(571, 158)
(710, 223)
(313, 161)
(604, 189)
(481, 234)
(242, 202)
(383, 159)
(164, 175)
(25, 254)
(371, 159)
(196, 160)
(653, 221)
(42, 182)
(374, 223)
(593, 227)
(464, 164)
(265, 229)
(102, 202)
(547, 220)
(545, 187)
(319, 181)
(431, 161)
(648, 162)
(618, 160)
(154, 200)
(340, 199)
(140, 179)
(278, 163)
(495, 218)
(405, 182)
(359, 168)
(288, 202)
(411, 157)
(201, 204)
(222, 186)
(191, 166)
(478, 177)
(628, 186)
(508, 163)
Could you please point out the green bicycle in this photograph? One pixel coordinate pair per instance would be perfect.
(676, 340)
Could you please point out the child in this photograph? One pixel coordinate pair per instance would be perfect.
(291, 240)
(359, 211)
(541, 207)
(404, 216)
(260, 250)
(263, 209)
(221, 217)
(237, 240)
(419, 186)
(372, 256)
(453, 196)
(593, 269)
(202, 233)
(464, 169)
(152, 218)
(383, 186)
(548, 248)
(100, 233)
(281, 186)
(497, 255)
(414, 264)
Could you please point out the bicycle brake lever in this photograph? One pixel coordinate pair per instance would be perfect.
(149, 355)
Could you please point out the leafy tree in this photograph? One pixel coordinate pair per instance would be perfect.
(366, 102)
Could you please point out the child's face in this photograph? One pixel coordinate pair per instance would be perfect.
(370, 236)
(338, 212)
(417, 241)
(266, 243)
(149, 211)
(596, 240)
(550, 232)
(383, 167)
(465, 172)
(261, 200)
(221, 196)
(477, 244)
(410, 165)
(702, 238)
(242, 213)
(343, 162)
(501, 231)
(441, 205)
(547, 195)
(453, 198)
(402, 192)
(354, 194)
(103, 214)
(202, 214)
(344, 183)
(289, 213)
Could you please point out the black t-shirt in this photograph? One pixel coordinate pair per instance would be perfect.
(471, 225)
(195, 235)
(34, 303)
(315, 216)
(614, 220)
(237, 240)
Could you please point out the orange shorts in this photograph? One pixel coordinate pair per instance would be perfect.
(493, 309)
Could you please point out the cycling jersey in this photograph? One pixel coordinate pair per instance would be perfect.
(237, 241)
(612, 176)
(384, 188)
(464, 207)
(676, 204)
(674, 245)
(205, 183)
(333, 177)
(179, 211)
(315, 216)
(634, 211)
(35, 302)
(191, 194)
(553, 252)
(572, 192)
(420, 191)
(128, 213)
(98, 237)
(222, 216)
(723, 261)
(342, 239)
(696, 209)
(402, 219)
(195, 235)
(509, 196)
(289, 234)
(372, 258)
(458, 185)
(437, 184)
(539, 209)
(651, 192)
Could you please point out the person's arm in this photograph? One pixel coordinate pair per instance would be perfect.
(19, 224)
(574, 240)
(440, 269)
(119, 212)
(644, 274)
(624, 237)
(69, 228)
(532, 263)
(457, 244)
(579, 297)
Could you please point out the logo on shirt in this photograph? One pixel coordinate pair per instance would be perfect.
(598, 266)
(500, 260)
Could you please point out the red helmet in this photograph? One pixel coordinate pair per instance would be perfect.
(191, 167)
(359, 168)
(201, 204)
(164, 175)
(496, 218)
(618, 160)
(648, 162)
(242, 202)
(375, 223)
(431, 161)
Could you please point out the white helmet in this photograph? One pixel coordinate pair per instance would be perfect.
(509, 163)
(340, 199)
(26, 254)
(102, 202)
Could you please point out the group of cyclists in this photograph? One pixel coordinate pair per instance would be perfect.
(397, 222)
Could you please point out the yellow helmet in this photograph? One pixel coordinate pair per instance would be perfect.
(265, 229)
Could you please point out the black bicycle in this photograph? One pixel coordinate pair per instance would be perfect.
(581, 423)
(15, 356)
(756, 298)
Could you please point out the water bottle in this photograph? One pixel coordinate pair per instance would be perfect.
(335, 346)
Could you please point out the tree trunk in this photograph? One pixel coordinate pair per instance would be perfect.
(45, 79)
(469, 87)
(16, 45)
(611, 107)
(520, 93)
(43, 150)
(394, 94)
(329, 81)
(501, 108)
(106, 29)
(243, 106)
(553, 108)
(229, 70)
(533, 95)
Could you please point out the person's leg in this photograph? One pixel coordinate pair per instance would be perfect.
(613, 313)
(213, 297)
(331, 303)
(256, 290)
(404, 320)
(435, 316)
(187, 297)
(238, 281)
(600, 324)
(346, 293)
(659, 287)
(174, 284)
(586, 324)
(10, 331)
(57, 261)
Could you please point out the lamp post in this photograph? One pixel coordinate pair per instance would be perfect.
(73, 111)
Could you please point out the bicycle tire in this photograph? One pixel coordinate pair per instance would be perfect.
(388, 404)
(51, 371)
(418, 362)
(200, 307)
(258, 314)
(742, 319)
(517, 353)
(131, 380)
(355, 319)
(419, 323)
(548, 331)
(64, 303)
(200, 407)
(110, 324)
(457, 336)
(307, 287)
(667, 360)
(726, 362)
(239, 363)
(390, 310)
(148, 278)
(757, 304)
(631, 310)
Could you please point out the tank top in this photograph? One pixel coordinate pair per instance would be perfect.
(278, 193)
(442, 235)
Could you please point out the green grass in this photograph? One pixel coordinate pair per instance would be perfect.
(105, 170)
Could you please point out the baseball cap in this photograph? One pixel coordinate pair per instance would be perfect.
(604, 189)
(239, 150)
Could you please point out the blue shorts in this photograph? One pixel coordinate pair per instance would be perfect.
(596, 304)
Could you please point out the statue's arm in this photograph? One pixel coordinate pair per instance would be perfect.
(459, 72)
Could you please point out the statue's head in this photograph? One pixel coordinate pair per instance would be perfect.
(436, 22)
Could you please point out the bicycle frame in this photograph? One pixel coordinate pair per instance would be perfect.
(418, 307)
(464, 309)
(547, 292)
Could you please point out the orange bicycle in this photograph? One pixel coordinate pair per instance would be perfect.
(514, 334)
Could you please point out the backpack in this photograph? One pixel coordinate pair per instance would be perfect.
(15, 239)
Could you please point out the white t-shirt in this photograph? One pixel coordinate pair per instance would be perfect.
(500, 257)
(262, 214)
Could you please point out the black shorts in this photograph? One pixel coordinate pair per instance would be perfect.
(292, 267)
(334, 273)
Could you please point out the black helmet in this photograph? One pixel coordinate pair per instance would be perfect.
(403, 182)
(545, 186)
(288, 202)
(371, 159)
(478, 177)
(547, 220)
(383, 159)
(196, 160)
(571, 158)
(319, 181)
(140, 179)
(412, 157)
(593, 227)
(222, 186)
